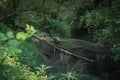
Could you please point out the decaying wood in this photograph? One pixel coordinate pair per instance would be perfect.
(62, 49)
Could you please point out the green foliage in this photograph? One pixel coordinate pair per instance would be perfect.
(30, 55)
(57, 28)
(4, 28)
(69, 76)
(98, 19)
(10, 34)
(88, 77)
(41, 72)
(11, 45)
(12, 41)
(94, 18)
(101, 25)
(22, 35)
(116, 52)
(103, 35)
(3, 37)
(43, 69)
(17, 72)
(10, 67)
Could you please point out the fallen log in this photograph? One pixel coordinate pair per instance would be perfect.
(62, 49)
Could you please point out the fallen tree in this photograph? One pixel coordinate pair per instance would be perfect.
(62, 49)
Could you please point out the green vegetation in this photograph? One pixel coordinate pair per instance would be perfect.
(87, 28)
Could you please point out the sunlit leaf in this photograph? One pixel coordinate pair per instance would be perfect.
(21, 36)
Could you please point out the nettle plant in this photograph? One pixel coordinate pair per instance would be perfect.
(9, 42)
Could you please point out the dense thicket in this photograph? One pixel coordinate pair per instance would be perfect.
(92, 20)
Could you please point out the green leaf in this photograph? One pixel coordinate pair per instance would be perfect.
(18, 51)
(3, 37)
(10, 34)
(12, 42)
(21, 36)
(14, 50)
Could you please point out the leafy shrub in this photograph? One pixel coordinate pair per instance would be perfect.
(10, 67)
(57, 28)
(4, 28)
(30, 55)
(102, 25)
(116, 52)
